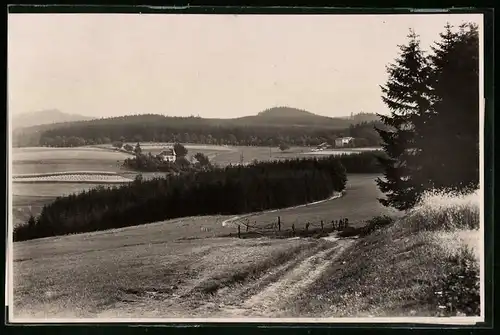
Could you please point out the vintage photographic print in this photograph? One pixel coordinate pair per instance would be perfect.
(245, 168)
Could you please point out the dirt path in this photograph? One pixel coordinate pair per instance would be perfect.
(296, 276)
(265, 295)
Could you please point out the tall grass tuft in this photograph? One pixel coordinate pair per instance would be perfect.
(445, 211)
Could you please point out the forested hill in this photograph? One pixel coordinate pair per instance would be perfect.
(271, 127)
(287, 116)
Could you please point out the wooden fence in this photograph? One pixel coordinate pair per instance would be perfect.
(277, 228)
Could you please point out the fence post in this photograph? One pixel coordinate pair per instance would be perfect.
(293, 229)
(279, 223)
(321, 225)
(239, 233)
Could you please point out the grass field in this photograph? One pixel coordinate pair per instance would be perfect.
(425, 264)
(49, 160)
(73, 177)
(180, 267)
(41, 160)
(186, 267)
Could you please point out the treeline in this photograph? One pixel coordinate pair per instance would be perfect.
(363, 162)
(150, 128)
(434, 104)
(232, 190)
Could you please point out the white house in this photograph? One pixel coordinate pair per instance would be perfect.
(343, 141)
(168, 155)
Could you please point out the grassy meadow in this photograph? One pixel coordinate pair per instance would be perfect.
(189, 267)
(185, 264)
(425, 264)
(196, 266)
(29, 197)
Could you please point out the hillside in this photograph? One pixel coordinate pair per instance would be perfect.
(268, 128)
(189, 267)
(287, 116)
(363, 117)
(45, 117)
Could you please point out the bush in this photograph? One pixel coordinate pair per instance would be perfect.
(376, 223)
(459, 292)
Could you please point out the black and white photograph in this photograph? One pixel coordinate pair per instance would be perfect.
(255, 168)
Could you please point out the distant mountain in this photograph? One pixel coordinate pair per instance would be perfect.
(288, 116)
(45, 117)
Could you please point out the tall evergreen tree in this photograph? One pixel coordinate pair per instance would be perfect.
(453, 145)
(407, 97)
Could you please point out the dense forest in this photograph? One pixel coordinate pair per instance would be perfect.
(142, 131)
(231, 190)
(159, 128)
(433, 143)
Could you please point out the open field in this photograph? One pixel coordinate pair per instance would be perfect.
(180, 267)
(83, 153)
(73, 177)
(49, 160)
(25, 205)
(224, 155)
(186, 267)
(29, 198)
(361, 189)
(104, 160)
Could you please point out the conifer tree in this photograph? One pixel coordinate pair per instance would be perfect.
(406, 96)
(453, 145)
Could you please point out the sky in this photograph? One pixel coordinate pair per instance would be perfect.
(214, 66)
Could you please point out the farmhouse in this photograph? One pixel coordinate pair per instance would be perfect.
(168, 155)
(343, 141)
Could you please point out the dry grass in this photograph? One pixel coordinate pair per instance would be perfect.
(395, 270)
(358, 205)
(124, 277)
(175, 268)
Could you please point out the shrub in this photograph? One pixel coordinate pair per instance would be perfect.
(458, 293)
(376, 223)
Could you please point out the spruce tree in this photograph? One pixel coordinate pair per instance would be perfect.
(138, 149)
(453, 144)
(407, 97)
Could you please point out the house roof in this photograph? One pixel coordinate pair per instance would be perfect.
(168, 152)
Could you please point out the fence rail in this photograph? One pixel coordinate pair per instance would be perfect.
(277, 228)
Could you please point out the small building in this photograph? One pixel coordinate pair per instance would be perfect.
(343, 141)
(168, 155)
